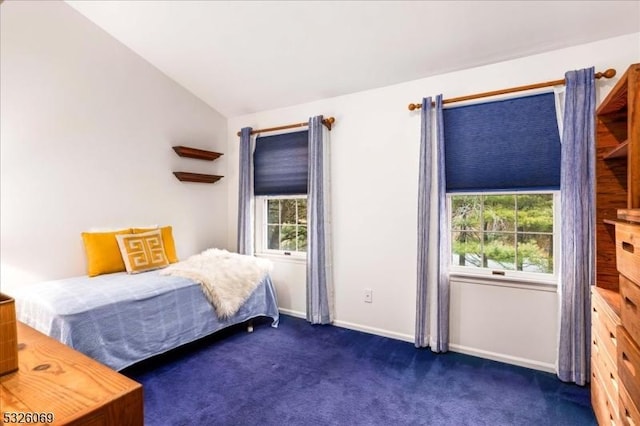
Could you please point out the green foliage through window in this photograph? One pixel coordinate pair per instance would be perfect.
(503, 232)
(287, 224)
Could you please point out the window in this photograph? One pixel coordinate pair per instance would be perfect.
(284, 224)
(504, 234)
(280, 186)
(502, 165)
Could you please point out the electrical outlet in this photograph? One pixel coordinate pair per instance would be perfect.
(368, 295)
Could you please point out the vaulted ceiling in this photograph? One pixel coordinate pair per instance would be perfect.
(247, 56)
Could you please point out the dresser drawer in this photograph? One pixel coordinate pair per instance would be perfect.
(628, 250)
(630, 308)
(608, 373)
(604, 324)
(607, 412)
(605, 332)
(605, 305)
(629, 414)
(629, 365)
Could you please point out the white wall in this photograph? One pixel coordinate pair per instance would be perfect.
(374, 164)
(86, 132)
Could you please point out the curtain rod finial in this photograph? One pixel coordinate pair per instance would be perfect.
(414, 106)
(607, 74)
(328, 122)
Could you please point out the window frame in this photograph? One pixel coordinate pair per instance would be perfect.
(510, 275)
(261, 223)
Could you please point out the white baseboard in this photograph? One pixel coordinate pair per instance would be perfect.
(373, 330)
(357, 327)
(507, 359)
(296, 314)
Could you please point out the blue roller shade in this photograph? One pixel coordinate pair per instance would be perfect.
(511, 145)
(281, 164)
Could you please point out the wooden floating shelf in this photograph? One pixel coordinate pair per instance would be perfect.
(620, 151)
(196, 177)
(200, 154)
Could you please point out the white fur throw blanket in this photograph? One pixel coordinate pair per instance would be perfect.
(227, 279)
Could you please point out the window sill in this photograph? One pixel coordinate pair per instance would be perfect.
(500, 281)
(277, 257)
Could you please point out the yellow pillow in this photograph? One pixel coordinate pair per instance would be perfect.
(167, 240)
(142, 252)
(103, 253)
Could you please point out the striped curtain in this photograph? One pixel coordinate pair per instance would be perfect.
(245, 194)
(577, 195)
(432, 306)
(440, 333)
(319, 267)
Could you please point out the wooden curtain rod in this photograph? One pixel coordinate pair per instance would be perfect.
(607, 74)
(327, 122)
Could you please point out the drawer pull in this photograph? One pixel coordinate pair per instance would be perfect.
(630, 302)
(613, 380)
(613, 338)
(628, 364)
(627, 247)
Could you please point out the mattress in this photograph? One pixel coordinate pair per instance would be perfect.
(120, 319)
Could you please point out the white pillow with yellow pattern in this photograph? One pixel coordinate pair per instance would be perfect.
(142, 252)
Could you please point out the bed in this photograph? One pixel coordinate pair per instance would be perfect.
(120, 319)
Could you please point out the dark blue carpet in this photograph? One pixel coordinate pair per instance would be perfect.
(299, 374)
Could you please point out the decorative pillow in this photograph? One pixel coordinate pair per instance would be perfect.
(103, 253)
(142, 252)
(110, 229)
(167, 240)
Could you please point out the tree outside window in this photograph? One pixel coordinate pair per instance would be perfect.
(287, 224)
(503, 232)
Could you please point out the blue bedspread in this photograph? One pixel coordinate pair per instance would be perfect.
(120, 319)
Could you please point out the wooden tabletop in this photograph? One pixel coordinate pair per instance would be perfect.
(56, 380)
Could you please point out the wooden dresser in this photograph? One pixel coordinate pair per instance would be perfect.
(605, 320)
(615, 301)
(628, 332)
(615, 335)
(55, 381)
